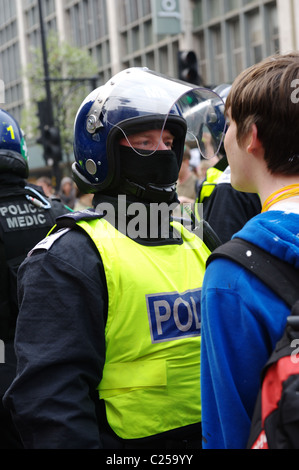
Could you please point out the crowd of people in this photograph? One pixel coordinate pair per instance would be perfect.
(68, 193)
(117, 335)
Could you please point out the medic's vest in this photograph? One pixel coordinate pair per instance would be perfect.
(22, 226)
(151, 377)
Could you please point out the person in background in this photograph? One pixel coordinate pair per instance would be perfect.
(242, 319)
(186, 187)
(46, 184)
(117, 365)
(83, 201)
(68, 192)
(202, 169)
(26, 216)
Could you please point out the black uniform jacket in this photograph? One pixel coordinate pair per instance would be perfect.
(26, 216)
(23, 223)
(227, 210)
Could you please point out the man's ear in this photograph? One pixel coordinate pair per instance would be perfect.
(254, 144)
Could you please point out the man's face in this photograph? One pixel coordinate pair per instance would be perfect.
(149, 140)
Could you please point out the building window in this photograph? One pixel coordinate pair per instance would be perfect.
(31, 17)
(147, 7)
(129, 11)
(135, 39)
(235, 46)
(255, 37)
(214, 8)
(273, 32)
(134, 14)
(202, 58)
(163, 60)
(232, 5)
(101, 20)
(137, 62)
(95, 20)
(49, 7)
(8, 11)
(197, 14)
(217, 54)
(148, 33)
(102, 52)
(150, 60)
(125, 43)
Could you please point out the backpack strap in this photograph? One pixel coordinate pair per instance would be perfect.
(278, 275)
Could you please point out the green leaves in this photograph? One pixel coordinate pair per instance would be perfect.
(65, 62)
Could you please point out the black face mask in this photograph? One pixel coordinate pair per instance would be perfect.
(160, 168)
(149, 177)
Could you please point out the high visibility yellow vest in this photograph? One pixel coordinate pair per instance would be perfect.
(151, 377)
(213, 174)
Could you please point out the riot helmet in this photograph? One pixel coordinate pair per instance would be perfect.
(132, 101)
(13, 148)
(223, 90)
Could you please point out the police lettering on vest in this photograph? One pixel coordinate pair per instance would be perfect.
(173, 316)
(21, 215)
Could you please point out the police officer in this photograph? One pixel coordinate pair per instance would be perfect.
(225, 209)
(114, 362)
(25, 218)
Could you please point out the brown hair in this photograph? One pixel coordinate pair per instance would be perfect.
(265, 94)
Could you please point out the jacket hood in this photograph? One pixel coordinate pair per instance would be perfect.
(277, 232)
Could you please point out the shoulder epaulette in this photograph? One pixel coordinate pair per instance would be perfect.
(64, 223)
(70, 219)
(47, 242)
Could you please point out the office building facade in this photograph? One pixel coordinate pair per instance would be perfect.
(226, 35)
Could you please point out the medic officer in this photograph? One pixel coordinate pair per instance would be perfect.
(26, 216)
(111, 360)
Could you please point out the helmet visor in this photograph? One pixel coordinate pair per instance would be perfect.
(136, 93)
(203, 111)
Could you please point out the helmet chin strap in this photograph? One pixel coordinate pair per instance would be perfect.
(150, 193)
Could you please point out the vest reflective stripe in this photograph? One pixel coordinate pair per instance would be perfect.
(151, 377)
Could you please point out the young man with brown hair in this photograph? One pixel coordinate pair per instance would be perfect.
(242, 319)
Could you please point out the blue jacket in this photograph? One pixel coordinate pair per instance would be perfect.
(242, 319)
